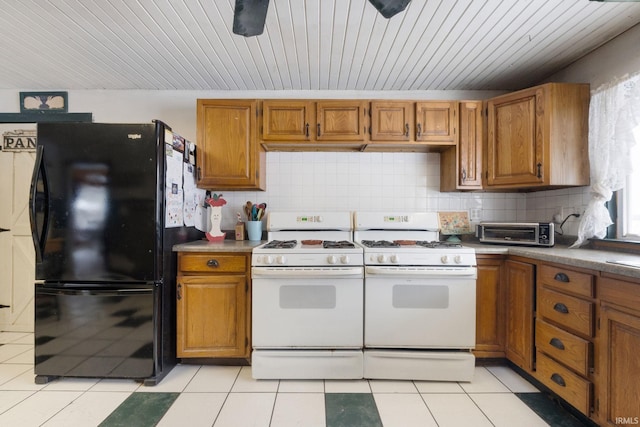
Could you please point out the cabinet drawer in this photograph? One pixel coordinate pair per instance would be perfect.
(570, 350)
(572, 313)
(567, 280)
(569, 386)
(212, 263)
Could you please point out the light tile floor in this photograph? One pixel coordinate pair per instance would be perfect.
(223, 396)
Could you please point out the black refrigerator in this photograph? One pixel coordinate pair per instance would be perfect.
(105, 270)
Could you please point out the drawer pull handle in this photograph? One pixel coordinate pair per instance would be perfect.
(557, 343)
(179, 292)
(213, 263)
(561, 277)
(556, 378)
(561, 308)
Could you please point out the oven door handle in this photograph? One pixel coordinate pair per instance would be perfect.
(316, 272)
(426, 272)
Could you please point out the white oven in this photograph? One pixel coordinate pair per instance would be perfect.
(420, 299)
(307, 302)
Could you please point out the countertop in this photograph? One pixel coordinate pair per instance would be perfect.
(223, 246)
(586, 258)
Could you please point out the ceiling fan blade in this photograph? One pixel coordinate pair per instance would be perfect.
(249, 17)
(388, 8)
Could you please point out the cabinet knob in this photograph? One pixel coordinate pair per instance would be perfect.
(557, 378)
(557, 343)
(561, 308)
(213, 263)
(561, 277)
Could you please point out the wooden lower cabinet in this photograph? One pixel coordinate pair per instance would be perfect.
(618, 387)
(519, 304)
(213, 305)
(565, 331)
(490, 327)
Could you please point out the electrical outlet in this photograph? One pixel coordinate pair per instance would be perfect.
(474, 215)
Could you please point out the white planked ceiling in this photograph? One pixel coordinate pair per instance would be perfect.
(306, 45)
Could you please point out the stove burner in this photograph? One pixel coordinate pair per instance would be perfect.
(328, 244)
(436, 244)
(281, 244)
(379, 244)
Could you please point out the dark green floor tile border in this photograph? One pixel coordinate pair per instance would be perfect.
(351, 410)
(140, 410)
(550, 410)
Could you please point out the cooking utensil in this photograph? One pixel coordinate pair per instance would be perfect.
(254, 213)
(247, 210)
(262, 207)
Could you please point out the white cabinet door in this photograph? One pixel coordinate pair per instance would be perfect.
(17, 257)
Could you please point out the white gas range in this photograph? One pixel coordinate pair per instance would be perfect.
(420, 299)
(307, 298)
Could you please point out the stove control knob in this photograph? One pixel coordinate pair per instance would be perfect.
(345, 259)
(457, 259)
(445, 259)
(331, 259)
(268, 260)
(395, 259)
(281, 259)
(382, 258)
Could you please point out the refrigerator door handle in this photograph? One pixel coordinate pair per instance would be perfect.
(39, 175)
(97, 291)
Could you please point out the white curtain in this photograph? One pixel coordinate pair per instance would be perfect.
(614, 112)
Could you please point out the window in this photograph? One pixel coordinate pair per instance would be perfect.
(628, 224)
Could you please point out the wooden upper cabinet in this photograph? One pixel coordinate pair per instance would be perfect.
(341, 120)
(461, 165)
(537, 137)
(391, 120)
(288, 120)
(229, 156)
(436, 122)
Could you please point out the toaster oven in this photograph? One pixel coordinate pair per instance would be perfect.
(516, 233)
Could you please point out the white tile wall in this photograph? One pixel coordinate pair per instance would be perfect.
(384, 181)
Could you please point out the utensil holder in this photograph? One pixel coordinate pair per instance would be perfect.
(254, 230)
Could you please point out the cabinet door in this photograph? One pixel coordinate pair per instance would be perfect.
(229, 156)
(470, 145)
(287, 120)
(520, 280)
(461, 165)
(391, 120)
(514, 139)
(341, 120)
(437, 122)
(489, 307)
(619, 367)
(212, 316)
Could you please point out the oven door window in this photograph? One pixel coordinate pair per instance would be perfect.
(307, 297)
(418, 296)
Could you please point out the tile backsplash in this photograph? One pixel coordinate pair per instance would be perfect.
(318, 181)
